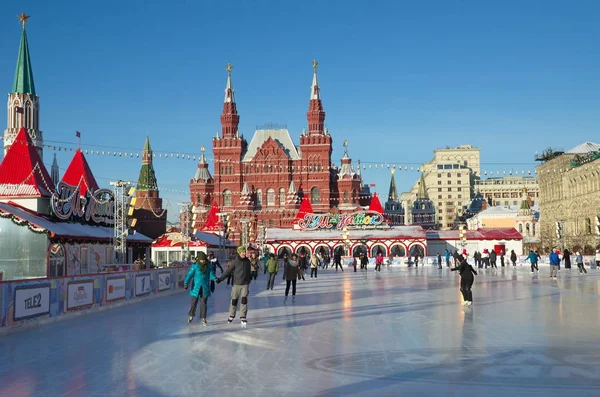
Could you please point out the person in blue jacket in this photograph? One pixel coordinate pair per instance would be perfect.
(201, 273)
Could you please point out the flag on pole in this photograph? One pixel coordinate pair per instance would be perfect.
(371, 184)
(78, 134)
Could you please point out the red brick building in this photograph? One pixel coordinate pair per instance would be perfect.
(263, 181)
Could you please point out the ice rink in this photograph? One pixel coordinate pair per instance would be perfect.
(400, 332)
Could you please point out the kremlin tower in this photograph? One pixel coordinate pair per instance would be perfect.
(151, 218)
(261, 183)
(23, 102)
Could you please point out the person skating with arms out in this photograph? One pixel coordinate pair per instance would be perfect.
(202, 273)
(240, 268)
(467, 278)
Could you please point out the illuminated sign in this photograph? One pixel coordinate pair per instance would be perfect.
(68, 204)
(359, 220)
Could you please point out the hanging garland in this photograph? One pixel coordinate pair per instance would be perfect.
(20, 222)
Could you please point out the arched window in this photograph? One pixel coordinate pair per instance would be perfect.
(271, 197)
(227, 197)
(282, 197)
(315, 195)
(521, 228)
(259, 197)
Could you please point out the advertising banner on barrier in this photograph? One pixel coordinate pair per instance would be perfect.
(31, 301)
(181, 273)
(80, 294)
(115, 289)
(142, 284)
(164, 280)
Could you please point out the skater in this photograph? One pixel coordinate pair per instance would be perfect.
(486, 258)
(337, 260)
(554, 263)
(291, 274)
(254, 266)
(439, 260)
(502, 258)
(230, 277)
(579, 262)
(447, 258)
(466, 272)
(597, 258)
(378, 261)
(314, 265)
(533, 258)
(326, 261)
(353, 262)
(214, 263)
(201, 272)
(273, 268)
(240, 267)
(303, 264)
(513, 257)
(567, 258)
(364, 261)
(493, 257)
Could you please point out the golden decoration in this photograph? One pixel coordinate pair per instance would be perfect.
(229, 67)
(315, 64)
(23, 18)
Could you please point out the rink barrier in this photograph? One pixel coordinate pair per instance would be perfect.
(28, 303)
(589, 261)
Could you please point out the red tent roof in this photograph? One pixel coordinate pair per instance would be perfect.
(212, 220)
(376, 204)
(305, 208)
(79, 170)
(22, 172)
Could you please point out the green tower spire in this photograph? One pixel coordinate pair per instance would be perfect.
(147, 179)
(23, 83)
(393, 193)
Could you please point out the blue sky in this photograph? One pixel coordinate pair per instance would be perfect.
(398, 79)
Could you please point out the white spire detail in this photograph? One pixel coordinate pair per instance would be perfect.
(315, 91)
(229, 97)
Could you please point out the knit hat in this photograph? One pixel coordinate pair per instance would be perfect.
(201, 256)
(241, 249)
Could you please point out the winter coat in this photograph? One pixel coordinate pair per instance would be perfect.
(513, 256)
(493, 256)
(254, 266)
(291, 271)
(554, 259)
(314, 262)
(464, 269)
(532, 257)
(240, 269)
(379, 259)
(201, 280)
(579, 259)
(272, 265)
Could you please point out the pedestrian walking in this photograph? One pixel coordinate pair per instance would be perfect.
(201, 273)
(240, 268)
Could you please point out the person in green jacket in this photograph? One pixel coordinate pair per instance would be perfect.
(272, 267)
(202, 274)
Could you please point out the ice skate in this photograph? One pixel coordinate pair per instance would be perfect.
(204, 322)
(229, 320)
(293, 299)
(190, 318)
(243, 323)
(285, 299)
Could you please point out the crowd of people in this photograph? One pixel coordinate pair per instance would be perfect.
(244, 268)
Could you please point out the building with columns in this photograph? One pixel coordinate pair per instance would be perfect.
(23, 101)
(507, 190)
(261, 183)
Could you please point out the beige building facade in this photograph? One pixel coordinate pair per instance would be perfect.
(449, 178)
(508, 190)
(570, 199)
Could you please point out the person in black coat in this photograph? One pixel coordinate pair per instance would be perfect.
(467, 277)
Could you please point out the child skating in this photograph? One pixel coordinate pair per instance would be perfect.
(202, 274)
(467, 277)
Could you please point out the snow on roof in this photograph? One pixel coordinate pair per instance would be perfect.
(66, 229)
(500, 233)
(585, 147)
(392, 233)
(281, 136)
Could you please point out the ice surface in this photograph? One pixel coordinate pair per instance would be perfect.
(399, 332)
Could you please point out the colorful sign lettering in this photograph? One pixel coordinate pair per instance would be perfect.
(95, 208)
(362, 220)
